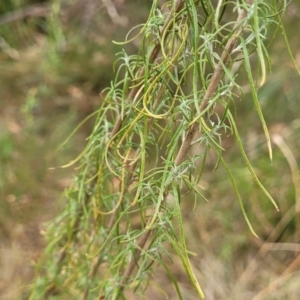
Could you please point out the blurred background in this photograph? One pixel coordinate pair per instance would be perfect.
(55, 59)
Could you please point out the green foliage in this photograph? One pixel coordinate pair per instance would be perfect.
(168, 107)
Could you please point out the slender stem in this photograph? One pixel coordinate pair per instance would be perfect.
(212, 87)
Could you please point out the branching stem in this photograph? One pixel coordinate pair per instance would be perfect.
(212, 87)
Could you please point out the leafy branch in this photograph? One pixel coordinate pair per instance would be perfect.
(122, 210)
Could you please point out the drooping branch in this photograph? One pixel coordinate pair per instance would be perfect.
(211, 89)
